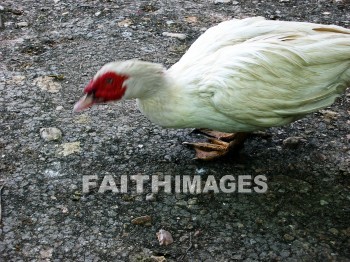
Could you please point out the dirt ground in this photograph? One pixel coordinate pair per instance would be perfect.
(49, 49)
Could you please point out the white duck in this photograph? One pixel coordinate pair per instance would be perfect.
(239, 76)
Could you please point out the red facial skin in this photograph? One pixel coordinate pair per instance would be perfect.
(107, 87)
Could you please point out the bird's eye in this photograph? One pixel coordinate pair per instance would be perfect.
(109, 80)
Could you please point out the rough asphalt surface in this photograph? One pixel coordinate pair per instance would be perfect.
(50, 49)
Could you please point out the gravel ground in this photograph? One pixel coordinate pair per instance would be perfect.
(50, 49)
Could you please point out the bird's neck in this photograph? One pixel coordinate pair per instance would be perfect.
(146, 80)
(159, 95)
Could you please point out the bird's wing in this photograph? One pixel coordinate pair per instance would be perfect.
(274, 79)
(237, 31)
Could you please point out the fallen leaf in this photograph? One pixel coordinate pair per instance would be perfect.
(46, 83)
(125, 23)
(191, 19)
(82, 119)
(57, 77)
(329, 115)
(16, 80)
(158, 258)
(69, 148)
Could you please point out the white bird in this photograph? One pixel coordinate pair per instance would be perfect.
(239, 76)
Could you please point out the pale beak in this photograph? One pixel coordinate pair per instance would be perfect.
(85, 102)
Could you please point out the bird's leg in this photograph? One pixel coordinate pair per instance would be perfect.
(215, 147)
(215, 134)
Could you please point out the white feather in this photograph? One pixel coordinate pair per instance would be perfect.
(244, 75)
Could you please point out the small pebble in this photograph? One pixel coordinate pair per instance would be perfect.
(76, 196)
(201, 171)
(323, 202)
(22, 24)
(167, 158)
(151, 197)
(334, 231)
(46, 254)
(293, 141)
(50, 133)
(169, 22)
(175, 35)
(222, 1)
(237, 257)
(164, 237)
(143, 220)
(239, 225)
(288, 237)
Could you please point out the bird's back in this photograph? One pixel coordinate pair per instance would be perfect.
(237, 31)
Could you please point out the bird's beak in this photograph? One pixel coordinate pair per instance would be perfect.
(85, 102)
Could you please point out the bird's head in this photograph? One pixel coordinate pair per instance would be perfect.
(120, 80)
(107, 85)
